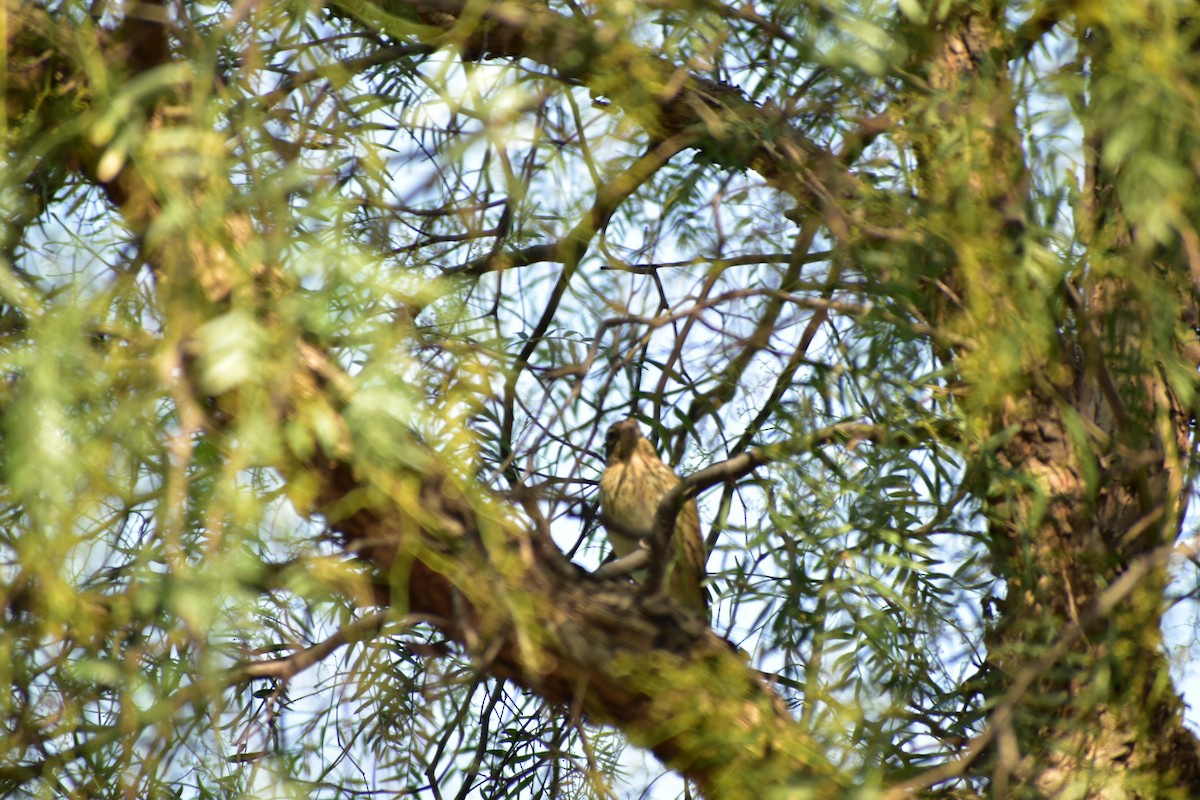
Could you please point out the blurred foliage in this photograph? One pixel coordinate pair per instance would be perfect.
(146, 556)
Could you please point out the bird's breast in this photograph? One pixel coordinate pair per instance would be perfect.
(630, 492)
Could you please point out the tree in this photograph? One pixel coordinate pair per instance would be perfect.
(314, 315)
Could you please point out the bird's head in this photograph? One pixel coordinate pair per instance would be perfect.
(621, 440)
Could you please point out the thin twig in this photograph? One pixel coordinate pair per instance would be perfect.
(286, 668)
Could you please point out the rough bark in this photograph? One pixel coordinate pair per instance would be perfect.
(1092, 458)
(448, 552)
(1093, 466)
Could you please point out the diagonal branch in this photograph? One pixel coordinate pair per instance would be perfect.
(448, 550)
(284, 669)
(739, 133)
(742, 464)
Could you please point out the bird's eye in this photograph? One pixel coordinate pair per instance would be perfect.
(610, 442)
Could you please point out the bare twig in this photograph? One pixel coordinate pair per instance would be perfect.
(638, 559)
(571, 252)
(286, 668)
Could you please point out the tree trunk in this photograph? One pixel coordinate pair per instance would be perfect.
(1089, 470)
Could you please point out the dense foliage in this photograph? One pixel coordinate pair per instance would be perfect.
(313, 316)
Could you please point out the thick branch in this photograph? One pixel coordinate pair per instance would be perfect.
(451, 552)
(666, 102)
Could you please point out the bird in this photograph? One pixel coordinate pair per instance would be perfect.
(633, 483)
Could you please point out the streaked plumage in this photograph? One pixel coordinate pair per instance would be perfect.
(634, 482)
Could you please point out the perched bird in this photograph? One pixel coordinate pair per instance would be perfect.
(634, 482)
